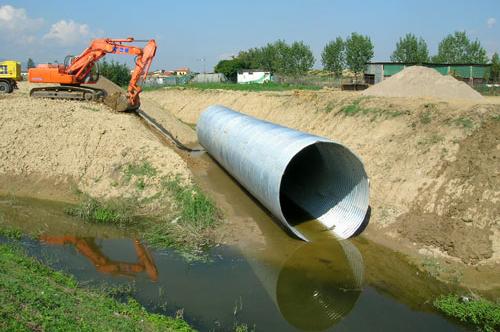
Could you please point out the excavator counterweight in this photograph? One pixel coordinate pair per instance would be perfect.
(77, 74)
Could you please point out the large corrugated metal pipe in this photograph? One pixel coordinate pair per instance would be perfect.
(297, 176)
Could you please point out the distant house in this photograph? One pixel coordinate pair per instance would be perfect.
(182, 71)
(472, 73)
(254, 76)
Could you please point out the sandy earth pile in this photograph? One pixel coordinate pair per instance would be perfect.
(433, 165)
(418, 81)
(80, 143)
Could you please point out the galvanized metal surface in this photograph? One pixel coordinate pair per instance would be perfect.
(297, 176)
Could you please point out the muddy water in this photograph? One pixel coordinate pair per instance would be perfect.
(271, 280)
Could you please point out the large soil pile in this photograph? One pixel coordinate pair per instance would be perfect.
(418, 81)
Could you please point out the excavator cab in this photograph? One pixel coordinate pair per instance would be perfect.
(93, 75)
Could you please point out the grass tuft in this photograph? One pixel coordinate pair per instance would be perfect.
(355, 108)
(479, 312)
(118, 212)
(464, 122)
(191, 225)
(144, 169)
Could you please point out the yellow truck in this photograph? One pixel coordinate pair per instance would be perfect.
(10, 74)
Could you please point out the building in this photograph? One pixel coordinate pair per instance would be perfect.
(254, 76)
(209, 78)
(471, 73)
(182, 71)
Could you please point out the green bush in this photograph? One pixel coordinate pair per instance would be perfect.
(479, 312)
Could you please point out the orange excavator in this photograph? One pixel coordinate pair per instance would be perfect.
(82, 70)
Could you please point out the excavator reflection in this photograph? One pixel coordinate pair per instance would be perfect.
(88, 248)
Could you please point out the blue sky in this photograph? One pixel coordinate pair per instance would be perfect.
(190, 30)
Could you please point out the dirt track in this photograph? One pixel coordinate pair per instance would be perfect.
(433, 164)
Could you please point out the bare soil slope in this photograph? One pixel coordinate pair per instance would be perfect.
(418, 81)
(433, 164)
(76, 143)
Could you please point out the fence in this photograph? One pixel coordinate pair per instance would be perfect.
(167, 81)
(314, 80)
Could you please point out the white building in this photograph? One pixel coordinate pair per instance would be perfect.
(254, 76)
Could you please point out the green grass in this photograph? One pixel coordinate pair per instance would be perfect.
(483, 314)
(464, 122)
(355, 108)
(119, 212)
(433, 139)
(34, 297)
(256, 87)
(190, 227)
(488, 91)
(425, 117)
(143, 169)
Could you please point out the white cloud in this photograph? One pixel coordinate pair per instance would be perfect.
(17, 26)
(68, 33)
(490, 22)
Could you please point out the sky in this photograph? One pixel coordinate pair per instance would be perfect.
(197, 33)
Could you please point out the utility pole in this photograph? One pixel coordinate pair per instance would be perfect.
(204, 60)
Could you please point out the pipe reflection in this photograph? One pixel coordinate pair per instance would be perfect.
(88, 248)
(314, 285)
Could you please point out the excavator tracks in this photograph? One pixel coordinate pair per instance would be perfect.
(68, 92)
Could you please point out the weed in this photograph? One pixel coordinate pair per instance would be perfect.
(190, 227)
(433, 139)
(118, 212)
(464, 122)
(425, 117)
(479, 312)
(496, 117)
(329, 107)
(10, 233)
(432, 266)
(35, 297)
(93, 109)
(144, 169)
(355, 108)
(140, 185)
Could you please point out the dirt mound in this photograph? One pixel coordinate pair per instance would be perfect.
(418, 81)
(83, 143)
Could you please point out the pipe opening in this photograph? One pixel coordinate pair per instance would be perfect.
(325, 182)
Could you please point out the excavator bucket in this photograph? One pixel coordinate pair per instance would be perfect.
(115, 97)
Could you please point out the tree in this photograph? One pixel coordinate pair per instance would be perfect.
(359, 50)
(333, 56)
(230, 68)
(300, 59)
(411, 50)
(458, 48)
(30, 63)
(116, 72)
(279, 57)
(495, 68)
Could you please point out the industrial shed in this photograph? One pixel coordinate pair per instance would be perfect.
(472, 73)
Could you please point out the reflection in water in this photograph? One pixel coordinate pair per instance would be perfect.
(316, 285)
(88, 248)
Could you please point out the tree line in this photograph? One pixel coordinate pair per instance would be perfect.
(353, 53)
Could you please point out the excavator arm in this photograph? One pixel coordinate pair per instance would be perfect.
(77, 72)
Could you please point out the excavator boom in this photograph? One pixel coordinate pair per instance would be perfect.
(79, 71)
